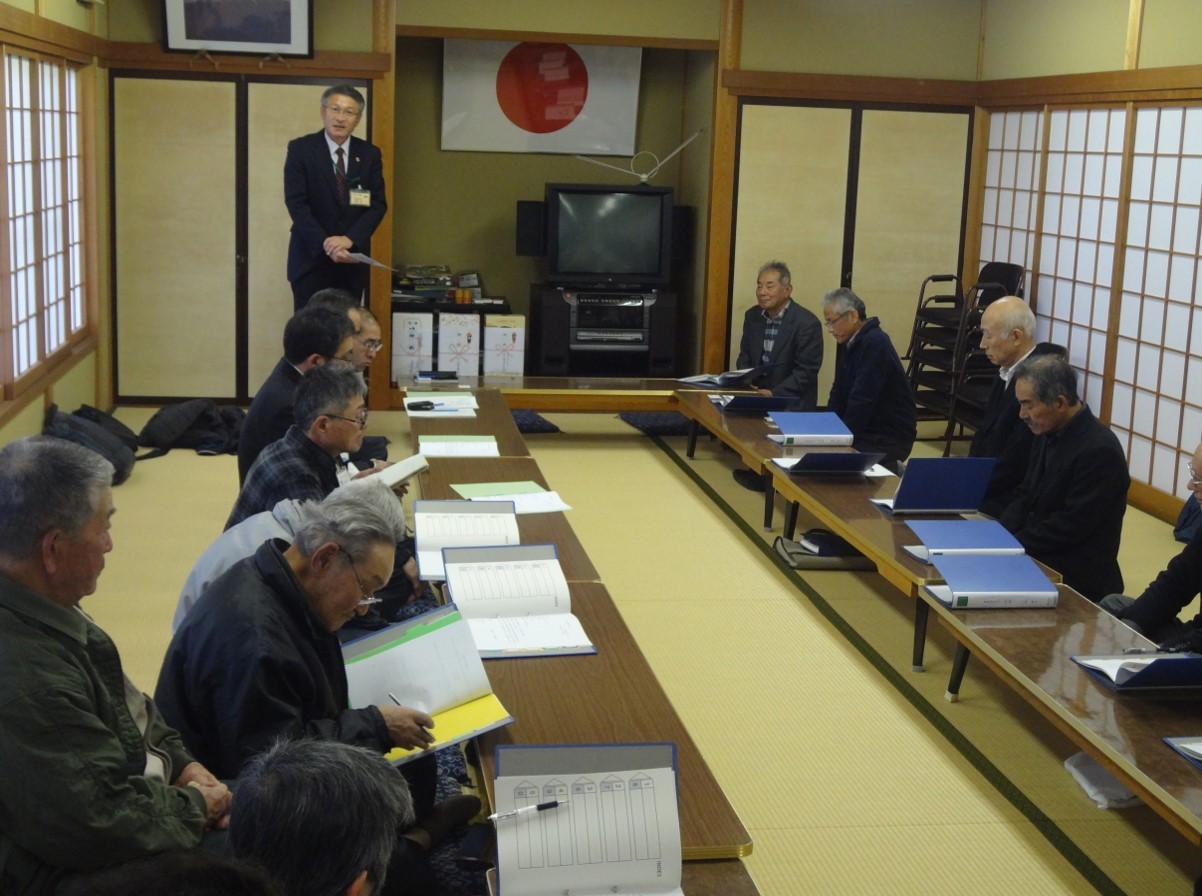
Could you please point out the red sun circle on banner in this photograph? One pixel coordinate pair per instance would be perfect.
(541, 88)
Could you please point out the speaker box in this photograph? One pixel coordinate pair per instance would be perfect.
(662, 336)
(550, 319)
(531, 228)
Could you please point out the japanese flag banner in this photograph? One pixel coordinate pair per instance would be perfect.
(501, 96)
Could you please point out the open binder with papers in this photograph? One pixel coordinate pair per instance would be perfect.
(1189, 747)
(587, 819)
(729, 378)
(458, 524)
(516, 601)
(1139, 672)
(429, 663)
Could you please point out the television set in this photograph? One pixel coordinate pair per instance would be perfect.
(607, 236)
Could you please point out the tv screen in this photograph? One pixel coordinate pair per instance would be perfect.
(609, 236)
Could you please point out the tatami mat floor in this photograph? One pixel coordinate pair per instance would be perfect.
(850, 771)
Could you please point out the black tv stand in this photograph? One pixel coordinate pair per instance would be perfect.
(602, 331)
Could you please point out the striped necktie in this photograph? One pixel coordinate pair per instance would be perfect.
(340, 176)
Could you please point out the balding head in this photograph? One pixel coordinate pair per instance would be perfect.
(1007, 330)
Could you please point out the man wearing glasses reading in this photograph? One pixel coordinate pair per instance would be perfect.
(334, 191)
(258, 659)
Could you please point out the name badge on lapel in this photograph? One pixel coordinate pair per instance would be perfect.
(360, 197)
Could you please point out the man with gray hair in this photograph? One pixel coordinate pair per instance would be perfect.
(92, 774)
(871, 393)
(258, 658)
(1069, 510)
(1008, 339)
(321, 818)
(785, 337)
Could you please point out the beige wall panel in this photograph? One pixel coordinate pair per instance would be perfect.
(792, 186)
(78, 385)
(27, 422)
(174, 240)
(901, 38)
(693, 19)
(277, 113)
(68, 12)
(344, 26)
(908, 210)
(1028, 38)
(700, 73)
(1171, 33)
(139, 21)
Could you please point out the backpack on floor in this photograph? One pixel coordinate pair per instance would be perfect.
(91, 435)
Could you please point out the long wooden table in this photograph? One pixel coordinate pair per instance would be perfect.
(610, 697)
(493, 418)
(745, 434)
(1029, 650)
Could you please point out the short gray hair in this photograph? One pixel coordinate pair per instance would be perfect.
(1050, 376)
(782, 271)
(47, 483)
(346, 90)
(316, 814)
(356, 516)
(844, 300)
(326, 389)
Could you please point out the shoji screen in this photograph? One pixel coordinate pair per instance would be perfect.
(1011, 187)
(1157, 405)
(1080, 220)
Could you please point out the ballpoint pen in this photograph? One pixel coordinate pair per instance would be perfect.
(541, 807)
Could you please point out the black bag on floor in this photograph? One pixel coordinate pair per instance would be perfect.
(197, 423)
(92, 435)
(127, 436)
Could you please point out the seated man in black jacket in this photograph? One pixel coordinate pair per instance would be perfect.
(312, 337)
(258, 658)
(1154, 613)
(1069, 509)
(871, 393)
(1008, 339)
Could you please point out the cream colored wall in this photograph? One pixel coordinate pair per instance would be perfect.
(1170, 33)
(900, 38)
(693, 19)
(457, 208)
(342, 25)
(700, 75)
(27, 422)
(1028, 38)
(73, 15)
(136, 21)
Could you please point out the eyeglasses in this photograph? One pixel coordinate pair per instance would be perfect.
(369, 597)
(372, 345)
(830, 324)
(360, 421)
(348, 111)
(1194, 478)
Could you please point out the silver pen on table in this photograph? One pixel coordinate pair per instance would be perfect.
(540, 807)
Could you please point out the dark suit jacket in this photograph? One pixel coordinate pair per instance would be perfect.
(311, 194)
(1069, 509)
(872, 395)
(269, 416)
(1004, 436)
(796, 352)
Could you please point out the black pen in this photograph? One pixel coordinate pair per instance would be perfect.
(541, 807)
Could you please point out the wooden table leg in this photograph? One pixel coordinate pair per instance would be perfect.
(694, 426)
(769, 500)
(791, 520)
(920, 634)
(959, 664)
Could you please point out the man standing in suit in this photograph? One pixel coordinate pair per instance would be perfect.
(1008, 339)
(1069, 509)
(334, 190)
(779, 332)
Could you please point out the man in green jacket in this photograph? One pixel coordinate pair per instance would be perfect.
(92, 776)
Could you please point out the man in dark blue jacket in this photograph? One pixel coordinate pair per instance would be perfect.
(871, 393)
(334, 191)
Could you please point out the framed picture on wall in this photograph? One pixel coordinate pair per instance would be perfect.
(236, 26)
